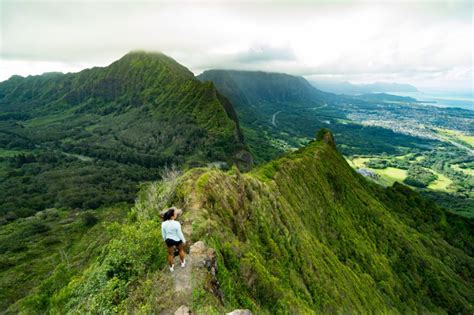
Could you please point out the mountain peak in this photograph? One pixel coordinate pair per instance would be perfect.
(139, 54)
(326, 136)
(151, 61)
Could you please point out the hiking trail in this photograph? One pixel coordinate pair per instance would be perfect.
(198, 265)
(200, 270)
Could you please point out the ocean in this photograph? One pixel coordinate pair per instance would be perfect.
(465, 101)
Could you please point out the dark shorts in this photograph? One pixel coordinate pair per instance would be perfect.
(171, 242)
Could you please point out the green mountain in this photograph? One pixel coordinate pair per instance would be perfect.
(303, 234)
(83, 140)
(279, 112)
(258, 88)
(306, 234)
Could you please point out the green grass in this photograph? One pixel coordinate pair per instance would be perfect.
(308, 211)
(41, 254)
(402, 157)
(392, 174)
(388, 176)
(420, 158)
(442, 183)
(302, 234)
(435, 171)
(359, 162)
(467, 139)
(457, 136)
(11, 153)
(468, 171)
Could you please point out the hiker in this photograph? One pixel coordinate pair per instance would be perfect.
(173, 236)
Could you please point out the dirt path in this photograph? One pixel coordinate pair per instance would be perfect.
(200, 270)
(182, 276)
(193, 275)
(186, 279)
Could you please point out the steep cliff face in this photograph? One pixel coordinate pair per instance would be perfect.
(75, 142)
(255, 87)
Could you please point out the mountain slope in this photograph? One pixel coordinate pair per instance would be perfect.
(302, 234)
(267, 104)
(278, 112)
(306, 234)
(254, 87)
(86, 139)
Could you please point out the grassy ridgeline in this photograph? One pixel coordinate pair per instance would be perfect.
(303, 234)
(306, 233)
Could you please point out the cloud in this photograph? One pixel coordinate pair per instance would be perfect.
(420, 42)
(265, 53)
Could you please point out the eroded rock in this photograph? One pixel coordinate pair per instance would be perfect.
(240, 312)
(198, 248)
(183, 310)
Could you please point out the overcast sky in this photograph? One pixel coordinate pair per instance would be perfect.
(425, 43)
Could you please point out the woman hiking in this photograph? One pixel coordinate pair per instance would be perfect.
(173, 236)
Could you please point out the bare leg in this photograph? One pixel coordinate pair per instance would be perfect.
(181, 251)
(170, 255)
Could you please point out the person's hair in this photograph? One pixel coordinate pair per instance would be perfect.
(168, 214)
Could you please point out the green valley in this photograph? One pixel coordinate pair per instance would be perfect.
(404, 140)
(85, 140)
(444, 175)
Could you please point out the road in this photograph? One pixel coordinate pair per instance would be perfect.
(274, 118)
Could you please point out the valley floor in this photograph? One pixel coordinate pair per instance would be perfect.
(445, 170)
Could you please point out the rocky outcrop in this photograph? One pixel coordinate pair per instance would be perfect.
(326, 136)
(183, 310)
(240, 312)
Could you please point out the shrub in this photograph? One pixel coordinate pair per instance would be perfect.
(89, 219)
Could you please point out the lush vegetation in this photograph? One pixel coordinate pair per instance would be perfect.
(444, 175)
(85, 140)
(279, 108)
(381, 163)
(40, 180)
(41, 254)
(279, 113)
(301, 234)
(419, 177)
(101, 261)
(305, 233)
